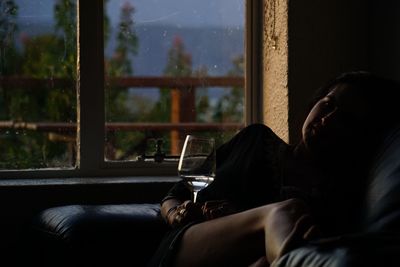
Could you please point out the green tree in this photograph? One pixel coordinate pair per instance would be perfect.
(202, 99)
(120, 65)
(65, 25)
(127, 44)
(51, 56)
(9, 57)
(53, 104)
(8, 28)
(179, 64)
(106, 23)
(230, 107)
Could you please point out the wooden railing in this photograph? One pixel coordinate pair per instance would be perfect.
(61, 127)
(182, 104)
(124, 82)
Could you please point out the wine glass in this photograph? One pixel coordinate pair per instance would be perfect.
(197, 163)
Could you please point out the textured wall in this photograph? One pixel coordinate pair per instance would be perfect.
(325, 39)
(307, 43)
(276, 67)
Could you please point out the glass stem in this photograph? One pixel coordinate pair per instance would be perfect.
(195, 196)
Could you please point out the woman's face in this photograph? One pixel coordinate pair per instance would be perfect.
(336, 121)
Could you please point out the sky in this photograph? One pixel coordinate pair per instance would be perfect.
(185, 12)
(195, 13)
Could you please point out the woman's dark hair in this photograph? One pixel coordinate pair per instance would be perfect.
(382, 94)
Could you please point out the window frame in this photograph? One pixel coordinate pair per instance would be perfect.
(91, 109)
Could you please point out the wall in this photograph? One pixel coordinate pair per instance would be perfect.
(275, 95)
(315, 41)
(325, 39)
(384, 38)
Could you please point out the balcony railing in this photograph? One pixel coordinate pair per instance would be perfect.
(125, 82)
(61, 127)
(182, 106)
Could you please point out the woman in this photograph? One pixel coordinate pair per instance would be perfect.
(259, 205)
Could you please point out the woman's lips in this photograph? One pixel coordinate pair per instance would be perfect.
(317, 128)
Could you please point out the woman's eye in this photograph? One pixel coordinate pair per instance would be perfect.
(328, 104)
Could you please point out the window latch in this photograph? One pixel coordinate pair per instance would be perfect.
(159, 155)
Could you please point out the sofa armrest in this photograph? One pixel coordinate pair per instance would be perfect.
(97, 235)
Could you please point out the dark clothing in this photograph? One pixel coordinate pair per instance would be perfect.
(250, 169)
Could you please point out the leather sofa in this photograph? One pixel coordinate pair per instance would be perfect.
(127, 235)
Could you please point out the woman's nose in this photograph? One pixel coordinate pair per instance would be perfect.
(325, 120)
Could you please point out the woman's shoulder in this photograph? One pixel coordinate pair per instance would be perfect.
(262, 129)
(266, 142)
(257, 128)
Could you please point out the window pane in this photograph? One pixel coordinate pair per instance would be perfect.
(37, 83)
(173, 67)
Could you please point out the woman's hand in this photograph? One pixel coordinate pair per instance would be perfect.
(216, 209)
(183, 213)
(178, 213)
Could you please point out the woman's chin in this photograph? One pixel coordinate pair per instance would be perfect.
(321, 149)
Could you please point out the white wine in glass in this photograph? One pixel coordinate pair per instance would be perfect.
(197, 163)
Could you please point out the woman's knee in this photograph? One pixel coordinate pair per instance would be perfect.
(291, 209)
(291, 204)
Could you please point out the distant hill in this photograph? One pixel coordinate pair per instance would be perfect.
(214, 48)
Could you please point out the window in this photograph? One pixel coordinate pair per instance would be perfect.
(169, 68)
(37, 86)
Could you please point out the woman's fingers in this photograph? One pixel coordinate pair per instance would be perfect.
(216, 209)
(187, 212)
